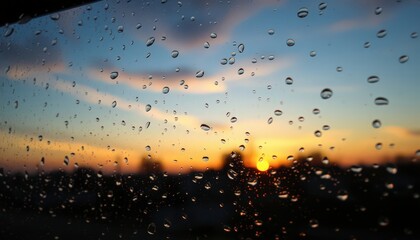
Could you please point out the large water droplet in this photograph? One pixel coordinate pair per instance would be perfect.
(302, 12)
(175, 53)
(373, 79)
(113, 75)
(381, 101)
(278, 112)
(318, 133)
(114, 104)
(150, 41)
(206, 44)
(205, 127)
(213, 35)
(241, 71)
(55, 16)
(205, 159)
(290, 42)
(381, 33)
(165, 90)
(376, 123)
(326, 93)
(289, 81)
(199, 74)
(403, 59)
(241, 48)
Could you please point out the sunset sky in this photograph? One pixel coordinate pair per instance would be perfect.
(89, 84)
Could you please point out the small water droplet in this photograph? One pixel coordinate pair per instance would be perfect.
(302, 12)
(175, 53)
(165, 90)
(233, 120)
(378, 146)
(241, 71)
(381, 101)
(322, 6)
(278, 112)
(339, 69)
(205, 127)
(224, 61)
(8, 32)
(205, 159)
(120, 29)
(289, 81)
(213, 35)
(270, 120)
(114, 104)
(373, 79)
(290, 42)
(313, 223)
(383, 221)
(326, 93)
(241, 48)
(199, 74)
(376, 123)
(66, 161)
(378, 10)
(366, 45)
(231, 60)
(414, 35)
(356, 169)
(270, 31)
(206, 44)
(316, 111)
(326, 127)
(417, 153)
(148, 148)
(150, 41)
(138, 26)
(55, 16)
(151, 229)
(312, 53)
(318, 133)
(381, 33)
(113, 75)
(342, 195)
(148, 107)
(403, 59)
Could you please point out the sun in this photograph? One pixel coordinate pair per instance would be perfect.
(262, 165)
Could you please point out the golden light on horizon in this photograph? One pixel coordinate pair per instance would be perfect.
(262, 165)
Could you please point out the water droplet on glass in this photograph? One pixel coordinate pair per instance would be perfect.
(213, 35)
(381, 33)
(414, 35)
(199, 74)
(356, 169)
(175, 53)
(403, 59)
(417, 153)
(366, 45)
(151, 229)
(313, 223)
(312, 53)
(289, 81)
(241, 71)
(383, 221)
(138, 26)
(270, 31)
(326, 127)
(224, 61)
(120, 29)
(290, 42)
(270, 120)
(378, 10)
(376, 123)
(326, 93)
(342, 195)
(378, 146)
(233, 120)
(148, 107)
(241, 48)
(381, 101)
(322, 6)
(150, 41)
(55, 16)
(206, 44)
(205, 127)
(114, 104)
(373, 79)
(339, 69)
(278, 112)
(165, 90)
(318, 133)
(301, 119)
(231, 60)
(113, 75)
(205, 159)
(148, 148)
(302, 12)
(316, 111)
(8, 32)
(66, 161)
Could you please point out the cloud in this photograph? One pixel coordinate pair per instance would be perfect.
(401, 132)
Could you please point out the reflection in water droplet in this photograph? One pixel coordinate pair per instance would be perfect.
(148, 107)
(381, 101)
(302, 12)
(270, 120)
(114, 104)
(403, 59)
(381, 33)
(373, 79)
(175, 53)
(326, 93)
(199, 74)
(290, 42)
(165, 90)
(241, 71)
(113, 75)
(241, 48)
(318, 133)
(376, 123)
(151, 229)
(205, 127)
(289, 81)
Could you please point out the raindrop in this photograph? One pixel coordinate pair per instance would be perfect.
(213, 35)
(205, 127)
(233, 120)
(301, 119)
(150, 41)
(414, 35)
(206, 45)
(376, 123)
(366, 45)
(339, 69)
(316, 111)
(120, 29)
(114, 104)
(231, 60)
(278, 112)
(66, 160)
(378, 10)
(148, 148)
(165, 90)
(113, 75)
(175, 53)
(383, 221)
(241, 48)
(302, 12)
(392, 169)
(205, 159)
(318, 133)
(199, 74)
(241, 147)
(138, 26)
(312, 53)
(55, 16)
(322, 6)
(148, 107)
(151, 229)
(326, 127)
(381, 101)
(342, 195)
(241, 71)
(290, 42)
(8, 32)
(16, 104)
(289, 81)
(373, 79)
(326, 93)
(417, 153)
(270, 120)
(403, 59)
(381, 33)
(378, 146)
(356, 169)
(313, 223)
(270, 31)
(224, 61)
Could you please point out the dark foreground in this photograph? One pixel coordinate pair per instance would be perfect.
(306, 201)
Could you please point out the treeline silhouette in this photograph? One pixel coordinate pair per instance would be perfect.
(310, 199)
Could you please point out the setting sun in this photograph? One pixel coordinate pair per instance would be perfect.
(262, 165)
